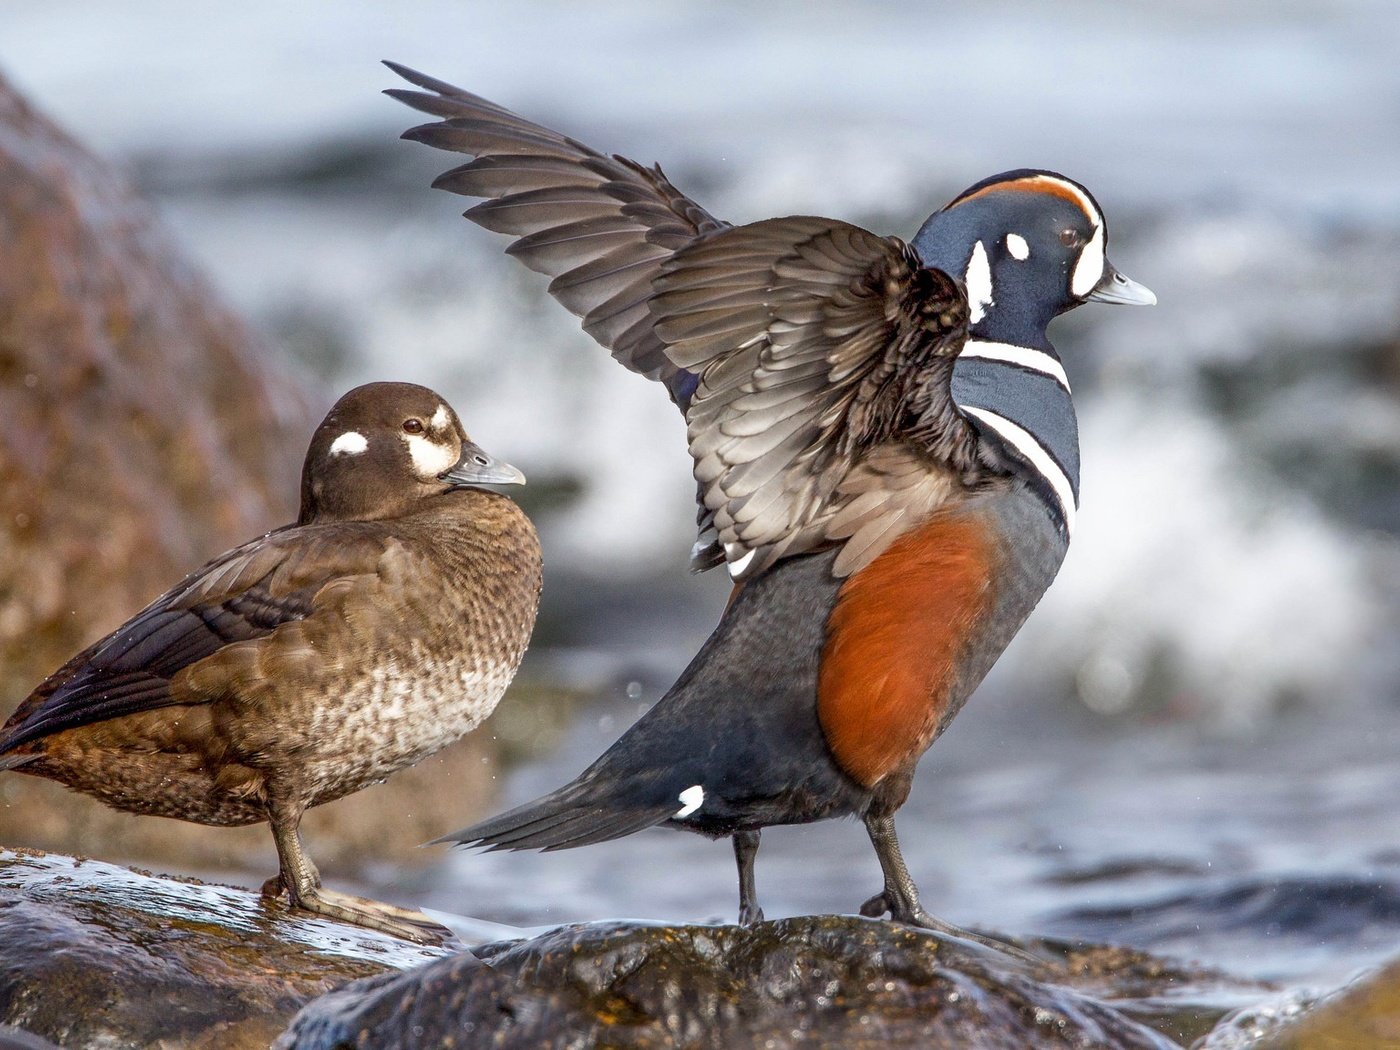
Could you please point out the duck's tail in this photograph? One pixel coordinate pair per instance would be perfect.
(577, 814)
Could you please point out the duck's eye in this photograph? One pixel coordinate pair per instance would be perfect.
(1071, 238)
(413, 426)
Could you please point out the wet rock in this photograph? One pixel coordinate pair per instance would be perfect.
(95, 955)
(142, 428)
(828, 981)
(1363, 1015)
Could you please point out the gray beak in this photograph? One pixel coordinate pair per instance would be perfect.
(1113, 287)
(479, 467)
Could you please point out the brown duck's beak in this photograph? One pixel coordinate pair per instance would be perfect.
(479, 467)
(1114, 287)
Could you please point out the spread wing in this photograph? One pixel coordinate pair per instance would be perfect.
(243, 595)
(601, 226)
(823, 412)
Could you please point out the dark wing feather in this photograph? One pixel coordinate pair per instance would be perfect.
(243, 595)
(601, 226)
(815, 341)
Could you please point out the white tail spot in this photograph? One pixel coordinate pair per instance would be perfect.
(351, 443)
(691, 799)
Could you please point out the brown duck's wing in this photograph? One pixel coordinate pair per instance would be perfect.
(600, 225)
(823, 412)
(243, 595)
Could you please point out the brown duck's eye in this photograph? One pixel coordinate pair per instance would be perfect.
(1071, 238)
(413, 426)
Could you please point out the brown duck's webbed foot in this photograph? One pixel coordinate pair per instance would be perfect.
(900, 897)
(745, 850)
(299, 884)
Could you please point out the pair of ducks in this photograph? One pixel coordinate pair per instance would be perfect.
(887, 464)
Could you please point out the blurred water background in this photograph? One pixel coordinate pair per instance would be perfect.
(1190, 747)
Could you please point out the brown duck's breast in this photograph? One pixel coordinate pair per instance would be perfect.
(393, 665)
(897, 638)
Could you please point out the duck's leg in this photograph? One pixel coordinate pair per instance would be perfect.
(745, 850)
(299, 880)
(900, 897)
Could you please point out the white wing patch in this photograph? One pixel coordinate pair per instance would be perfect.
(979, 283)
(691, 799)
(429, 458)
(737, 565)
(1017, 246)
(350, 443)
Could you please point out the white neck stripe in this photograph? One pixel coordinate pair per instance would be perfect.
(1024, 356)
(1021, 440)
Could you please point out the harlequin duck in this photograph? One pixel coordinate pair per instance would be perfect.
(305, 665)
(887, 460)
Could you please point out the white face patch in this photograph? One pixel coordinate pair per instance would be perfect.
(979, 283)
(1088, 271)
(429, 457)
(351, 443)
(1017, 246)
(440, 418)
(691, 799)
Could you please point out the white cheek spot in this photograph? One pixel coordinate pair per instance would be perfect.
(691, 799)
(429, 458)
(440, 418)
(979, 283)
(351, 443)
(1017, 246)
(1088, 271)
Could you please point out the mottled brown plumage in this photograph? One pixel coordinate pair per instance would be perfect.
(316, 660)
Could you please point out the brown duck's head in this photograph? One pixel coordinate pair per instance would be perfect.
(384, 447)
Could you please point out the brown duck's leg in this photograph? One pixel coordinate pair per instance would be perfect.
(299, 880)
(900, 897)
(745, 850)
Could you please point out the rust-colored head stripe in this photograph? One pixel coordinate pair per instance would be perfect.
(1036, 182)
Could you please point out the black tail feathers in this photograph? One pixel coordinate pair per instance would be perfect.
(578, 814)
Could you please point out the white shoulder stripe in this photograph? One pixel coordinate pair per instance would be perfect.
(1022, 441)
(1024, 356)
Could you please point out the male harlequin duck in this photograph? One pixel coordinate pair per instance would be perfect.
(305, 665)
(887, 460)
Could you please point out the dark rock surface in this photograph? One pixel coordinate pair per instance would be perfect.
(815, 981)
(95, 955)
